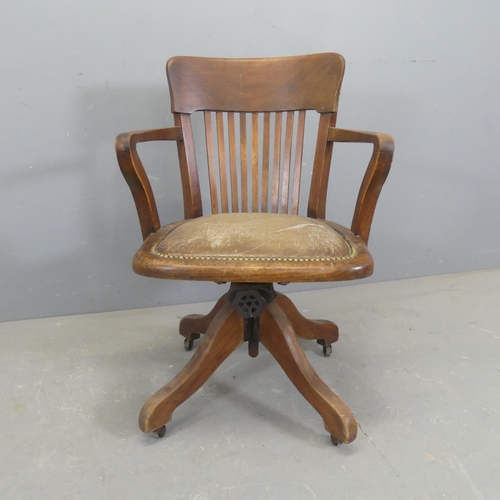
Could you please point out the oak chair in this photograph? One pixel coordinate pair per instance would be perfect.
(254, 115)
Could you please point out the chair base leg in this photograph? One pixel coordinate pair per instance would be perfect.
(219, 342)
(278, 336)
(197, 324)
(310, 329)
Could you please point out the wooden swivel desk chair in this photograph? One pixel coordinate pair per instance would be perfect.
(254, 112)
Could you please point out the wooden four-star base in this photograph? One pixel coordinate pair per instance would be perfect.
(280, 323)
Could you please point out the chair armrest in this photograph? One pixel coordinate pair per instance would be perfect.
(135, 175)
(128, 140)
(374, 178)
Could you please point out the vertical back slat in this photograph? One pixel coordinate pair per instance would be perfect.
(297, 169)
(222, 161)
(244, 162)
(265, 162)
(232, 161)
(276, 162)
(212, 177)
(274, 187)
(287, 157)
(255, 162)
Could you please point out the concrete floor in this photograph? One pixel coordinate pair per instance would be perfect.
(418, 362)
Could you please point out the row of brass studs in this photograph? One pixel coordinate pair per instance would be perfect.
(267, 259)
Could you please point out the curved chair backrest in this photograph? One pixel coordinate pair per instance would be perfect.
(254, 114)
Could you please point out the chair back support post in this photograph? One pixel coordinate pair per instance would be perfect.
(321, 168)
(189, 170)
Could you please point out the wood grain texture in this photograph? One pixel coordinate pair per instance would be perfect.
(271, 86)
(305, 328)
(212, 173)
(278, 336)
(199, 323)
(189, 170)
(316, 207)
(218, 343)
(244, 162)
(359, 266)
(287, 158)
(266, 138)
(256, 85)
(279, 197)
(221, 149)
(297, 170)
(374, 178)
(231, 132)
(135, 175)
(275, 191)
(255, 162)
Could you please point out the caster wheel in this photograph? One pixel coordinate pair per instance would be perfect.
(335, 441)
(327, 349)
(160, 432)
(188, 344)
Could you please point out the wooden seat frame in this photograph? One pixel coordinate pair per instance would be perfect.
(249, 87)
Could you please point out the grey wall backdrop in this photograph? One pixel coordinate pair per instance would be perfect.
(74, 74)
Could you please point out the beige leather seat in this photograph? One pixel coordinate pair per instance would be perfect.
(236, 246)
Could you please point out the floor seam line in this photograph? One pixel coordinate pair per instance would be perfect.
(385, 459)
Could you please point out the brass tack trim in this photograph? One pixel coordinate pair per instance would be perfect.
(158, 253)
(155, 251)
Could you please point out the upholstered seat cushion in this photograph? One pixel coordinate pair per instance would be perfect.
(248, 247)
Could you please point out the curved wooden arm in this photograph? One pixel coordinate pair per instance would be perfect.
(135, 175)
(374, 178)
